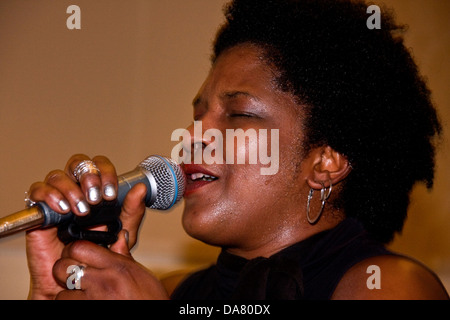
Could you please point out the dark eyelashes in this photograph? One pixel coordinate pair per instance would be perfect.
(232, 115)
(240, 115)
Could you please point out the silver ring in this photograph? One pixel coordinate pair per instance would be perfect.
(28, 202)
(73, 281)
(86, 166)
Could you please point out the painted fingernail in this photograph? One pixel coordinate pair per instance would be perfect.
(127, 238)
(82, 206)
(63, 205)
(110, 191)
(94, 194)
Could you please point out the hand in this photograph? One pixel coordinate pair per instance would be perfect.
(62, 193)
(107, 274)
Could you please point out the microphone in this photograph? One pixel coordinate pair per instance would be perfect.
(163, 177)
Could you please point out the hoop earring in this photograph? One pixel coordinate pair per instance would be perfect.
(323, 199)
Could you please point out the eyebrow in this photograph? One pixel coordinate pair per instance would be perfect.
(226, 95)
(236, 94)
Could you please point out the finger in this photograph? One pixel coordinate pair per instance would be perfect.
(133, 210)
(72, 295)
(90, 254)
(92, 284)
(60, 270)
(121, 246)
(90, 181)
(70, 190)
(60, 193)
(109, 184)
(63, 272)
(42, 192)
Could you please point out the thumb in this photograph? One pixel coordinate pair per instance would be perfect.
(133, 211)
(121, 245)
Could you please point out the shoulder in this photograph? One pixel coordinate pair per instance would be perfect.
(389, 277)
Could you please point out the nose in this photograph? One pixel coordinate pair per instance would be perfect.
(196, 143)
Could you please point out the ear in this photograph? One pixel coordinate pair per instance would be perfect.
(327, 166)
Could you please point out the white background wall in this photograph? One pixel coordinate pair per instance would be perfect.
(125, 81)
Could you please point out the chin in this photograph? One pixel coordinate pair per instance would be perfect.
(205, 226)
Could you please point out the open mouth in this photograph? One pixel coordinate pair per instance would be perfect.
(197, 177)
(201, 177)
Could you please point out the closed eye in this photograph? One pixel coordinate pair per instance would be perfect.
(243, 115)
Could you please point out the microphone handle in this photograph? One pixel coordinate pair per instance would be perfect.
(41, 215)
(22, 220)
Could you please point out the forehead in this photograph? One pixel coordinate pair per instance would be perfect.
(244, 68)
(243, 65)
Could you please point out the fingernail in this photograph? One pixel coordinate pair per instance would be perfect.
(83, 207)
(110, 191)
(127, 238)
(63, 205)
(94, 194)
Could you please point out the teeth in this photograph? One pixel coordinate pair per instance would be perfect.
(202, 176)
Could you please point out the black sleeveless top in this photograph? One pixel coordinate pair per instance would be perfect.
(308, 270)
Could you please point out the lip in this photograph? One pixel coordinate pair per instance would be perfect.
(194, 186)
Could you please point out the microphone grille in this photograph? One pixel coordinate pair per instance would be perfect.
(170, 181)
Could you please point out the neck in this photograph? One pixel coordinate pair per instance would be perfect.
(287, 237)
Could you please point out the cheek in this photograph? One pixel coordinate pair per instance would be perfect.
(253, 147)
(241, 147)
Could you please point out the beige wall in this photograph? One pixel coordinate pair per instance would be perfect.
(124, 82)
